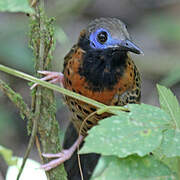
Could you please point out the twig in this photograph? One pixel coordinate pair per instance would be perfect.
(43, 103)
(39, 149)
(25, 111)
(16, 99)
(58, 89)
(82, 125)
(29, 147)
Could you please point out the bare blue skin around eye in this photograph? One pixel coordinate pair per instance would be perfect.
(97, 45)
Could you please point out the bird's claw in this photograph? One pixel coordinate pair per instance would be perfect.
(51, 77)
(61, 158)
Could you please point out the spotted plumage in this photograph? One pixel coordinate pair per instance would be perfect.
(105, 75)
(99, 67)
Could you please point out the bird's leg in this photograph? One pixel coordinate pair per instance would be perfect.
(52, 77)
(65, 154)
(62, 156)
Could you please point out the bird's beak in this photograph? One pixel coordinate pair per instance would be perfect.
(127, 45)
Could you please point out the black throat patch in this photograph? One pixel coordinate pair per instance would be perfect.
(102, 68)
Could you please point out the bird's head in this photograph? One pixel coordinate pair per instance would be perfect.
(106, 43)
(110, 33)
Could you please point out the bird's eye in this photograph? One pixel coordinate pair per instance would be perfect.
(102, 37)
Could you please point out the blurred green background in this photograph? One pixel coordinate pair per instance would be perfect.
(154, 26)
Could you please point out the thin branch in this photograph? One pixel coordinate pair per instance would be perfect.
(24, 111)
(29, 147)
(43, 102)
(61, 90)
(17, 100)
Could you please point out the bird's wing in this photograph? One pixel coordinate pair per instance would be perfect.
(128, 87)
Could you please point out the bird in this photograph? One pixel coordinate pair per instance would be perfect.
(98, 66)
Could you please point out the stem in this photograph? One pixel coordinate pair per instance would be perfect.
(24, 111)
(51, 86)
(56, 88)
(29, 147)
(17, 100)
(43, 102)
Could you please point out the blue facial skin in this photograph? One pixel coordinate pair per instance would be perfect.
(97, 45)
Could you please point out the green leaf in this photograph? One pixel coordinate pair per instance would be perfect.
(7, 155)
(139, 131)
(170, 104)
(171, 143)
(172, 78)
(15, 6)
(132, 167)
(171, 162)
